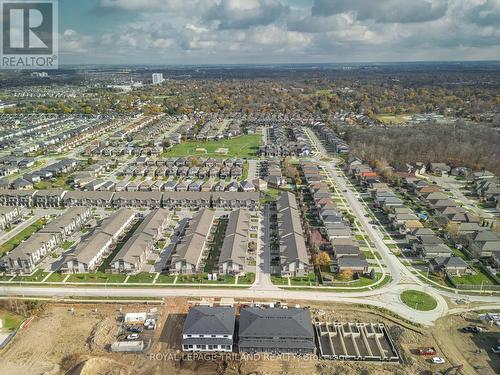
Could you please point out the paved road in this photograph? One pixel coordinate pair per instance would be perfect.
(252, 169)
(383, 299)
(263, 259)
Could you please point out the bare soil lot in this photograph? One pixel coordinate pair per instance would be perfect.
(60, 341)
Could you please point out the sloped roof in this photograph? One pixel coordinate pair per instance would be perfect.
(210, 320)
(274, 322)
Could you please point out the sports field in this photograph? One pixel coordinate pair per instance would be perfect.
(245, 146)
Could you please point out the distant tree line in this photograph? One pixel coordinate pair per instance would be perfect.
(459, 144)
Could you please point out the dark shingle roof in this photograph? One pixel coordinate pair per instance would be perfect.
(274, 322)
(210, 320)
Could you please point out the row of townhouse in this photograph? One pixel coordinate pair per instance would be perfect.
(294, 258)
(347, 255)
(8, 215)
(270, 170)
(88, 255)
(28, 254)
(135, 252)
(232, 258)
(184, 171)
(149, 199)
(192, 249)
(331, 138)
(191, 161)
(172, 185)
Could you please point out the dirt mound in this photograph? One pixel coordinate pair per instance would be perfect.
(101, 366)
(103, 334)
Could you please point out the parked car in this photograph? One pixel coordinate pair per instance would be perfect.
(427, 351)
(133, 336)
(496, 350)
(136, 329)
(437, 360)
(472, 329)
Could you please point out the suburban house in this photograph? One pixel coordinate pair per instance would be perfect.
(232, 259)
(294, 259)
(484, 243)
(209, 329)
(275, 330)
(8, 215)
(190, 251)
(90, 253)
(135, 252)
(356, 265)
(27, 255)
(455, 266)
(63, 226)
(235, 200)
(88, 198)
(48, 198)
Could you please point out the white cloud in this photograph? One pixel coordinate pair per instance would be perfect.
(263, 30)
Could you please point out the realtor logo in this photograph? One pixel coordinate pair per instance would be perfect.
(29, 34)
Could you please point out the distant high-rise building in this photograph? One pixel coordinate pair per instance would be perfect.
(158, 78)
(40, 74)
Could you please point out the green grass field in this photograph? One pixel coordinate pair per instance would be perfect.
(418, 300)
(11, 321)
(245, 146)
(388, 118)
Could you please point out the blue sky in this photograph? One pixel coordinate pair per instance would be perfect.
(277, 31)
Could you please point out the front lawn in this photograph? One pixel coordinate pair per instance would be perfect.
(56, 277)
(165, 279)
(309, 280)
(202, 278)
(249, 278)
(97, 277)
(478, 278)
(143, 277)
(418, 300)
(36, 276)
(67, 244)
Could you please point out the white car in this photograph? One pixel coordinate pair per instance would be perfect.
(133, 336)
(437, 360)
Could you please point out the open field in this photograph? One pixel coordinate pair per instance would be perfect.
(10, 320)
(388, 118)
(245, 146)
(62, 341)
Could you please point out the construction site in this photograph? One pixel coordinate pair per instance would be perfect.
(75, 338)
(355, 341)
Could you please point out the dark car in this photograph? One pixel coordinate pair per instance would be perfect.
(472, 329)
(135, 329)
